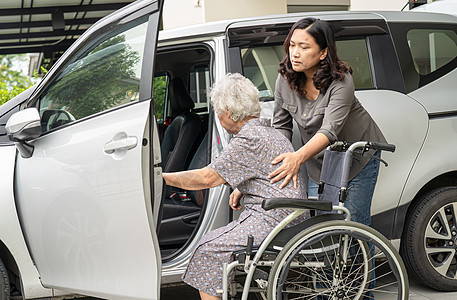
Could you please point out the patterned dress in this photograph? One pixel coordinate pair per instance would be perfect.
(244, 164)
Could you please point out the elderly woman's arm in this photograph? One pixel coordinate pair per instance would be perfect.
(194, 179)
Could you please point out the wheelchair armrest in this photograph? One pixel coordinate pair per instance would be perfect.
(273, 203)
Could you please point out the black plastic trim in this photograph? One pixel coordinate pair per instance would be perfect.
(150, 48)
(390, 223)
(233, 55)
(385, 65)
(276, 33)
(441, 115)
(384, 222)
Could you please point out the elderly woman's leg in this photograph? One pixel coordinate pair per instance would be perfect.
(205, 296)
(204, 271)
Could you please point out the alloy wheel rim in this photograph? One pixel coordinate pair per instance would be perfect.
(440, 240)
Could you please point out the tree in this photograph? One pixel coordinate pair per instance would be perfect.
(12, 82)
(159, 94)
(103, 79)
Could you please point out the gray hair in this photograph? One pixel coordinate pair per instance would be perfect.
(237, 94)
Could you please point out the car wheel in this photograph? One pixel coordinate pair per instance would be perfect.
(429, 241)
(4, 283)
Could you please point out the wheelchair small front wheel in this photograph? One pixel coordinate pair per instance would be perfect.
(338, 260)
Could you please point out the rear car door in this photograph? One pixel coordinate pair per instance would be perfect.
(84, 196)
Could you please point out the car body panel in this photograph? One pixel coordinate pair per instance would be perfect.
(439, 96)
(11, 231)
(407, 131)
(83, 209)
(430, 163)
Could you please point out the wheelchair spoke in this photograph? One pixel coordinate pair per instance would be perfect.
(338, 262)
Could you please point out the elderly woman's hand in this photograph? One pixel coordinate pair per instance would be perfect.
(235, 198)
(288, 169)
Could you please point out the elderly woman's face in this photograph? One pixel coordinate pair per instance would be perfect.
(304, 53)
(231, 126)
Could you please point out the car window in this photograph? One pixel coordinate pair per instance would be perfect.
(160, 94)
(260, 64)
(426, 51)
(103, 75)
(355, 53)
(199, 84)
(431, 49)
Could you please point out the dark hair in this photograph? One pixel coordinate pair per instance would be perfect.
(330, 68)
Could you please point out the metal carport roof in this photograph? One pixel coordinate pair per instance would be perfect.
(48, 26)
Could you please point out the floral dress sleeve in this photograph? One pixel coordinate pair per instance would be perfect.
(236, 163)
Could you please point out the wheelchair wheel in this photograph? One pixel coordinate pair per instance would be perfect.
(338, 260)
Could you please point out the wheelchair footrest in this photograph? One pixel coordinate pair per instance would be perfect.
(260, 274)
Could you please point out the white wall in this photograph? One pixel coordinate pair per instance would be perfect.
(395, 5)
(178, 13)
(230, 9)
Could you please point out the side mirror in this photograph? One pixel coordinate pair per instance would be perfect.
(24, 126)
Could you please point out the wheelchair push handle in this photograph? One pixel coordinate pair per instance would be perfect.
(343, 146)
(365, 146)
(381, 146)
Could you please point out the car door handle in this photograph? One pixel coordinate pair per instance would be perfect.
(125, 143)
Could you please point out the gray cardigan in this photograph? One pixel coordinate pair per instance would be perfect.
(337, 114)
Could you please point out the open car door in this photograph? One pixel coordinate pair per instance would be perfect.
(84, 194)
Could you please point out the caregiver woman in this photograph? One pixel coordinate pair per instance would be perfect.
(316, 89)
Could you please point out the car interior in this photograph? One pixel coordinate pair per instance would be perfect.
(181, 105)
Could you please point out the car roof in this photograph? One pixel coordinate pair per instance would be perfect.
(441, 6)
(219, 27)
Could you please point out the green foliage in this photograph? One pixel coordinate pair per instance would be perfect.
(159, 94)
(101, 80)
(12, 82)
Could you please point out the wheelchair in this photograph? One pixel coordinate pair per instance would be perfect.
(327, 256)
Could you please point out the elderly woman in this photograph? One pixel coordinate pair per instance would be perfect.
(244, 164)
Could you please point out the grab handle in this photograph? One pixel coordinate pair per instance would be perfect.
(382, 146)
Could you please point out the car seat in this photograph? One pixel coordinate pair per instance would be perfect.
(181, 134)
(180, 216)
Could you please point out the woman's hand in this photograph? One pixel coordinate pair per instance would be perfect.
(235, 198)
(289, 168)
(292, 161)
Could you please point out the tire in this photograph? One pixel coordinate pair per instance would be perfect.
(4, 283)
(429, 239)
(312, 264)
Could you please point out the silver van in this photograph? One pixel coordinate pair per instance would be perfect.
(83, 207)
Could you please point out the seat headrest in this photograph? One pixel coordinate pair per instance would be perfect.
(180, 100)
